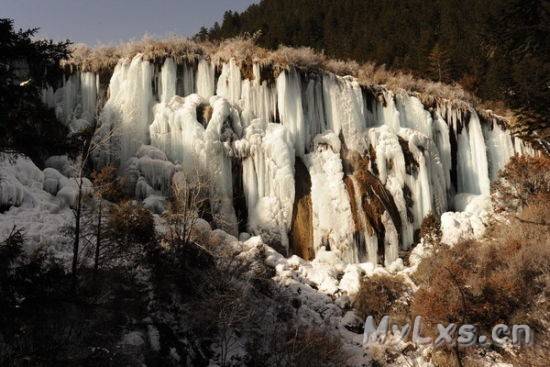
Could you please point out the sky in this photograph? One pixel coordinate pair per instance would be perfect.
(103, 21)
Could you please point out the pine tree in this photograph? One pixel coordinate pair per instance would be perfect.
(438, 64)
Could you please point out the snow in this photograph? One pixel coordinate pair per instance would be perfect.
(460, 226)
(12, 192)
(77, 126)
(68, 194)
(155, 203)
(40, 215)
(61, 163)
(54, 181)
(134, 338)
(157, 172)
(468, 224)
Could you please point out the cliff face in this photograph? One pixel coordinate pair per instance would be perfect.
(321, 160)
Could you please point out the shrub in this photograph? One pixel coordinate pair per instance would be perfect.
(107, 185)
(382, 295)
(291, 344)
(430, 229)
(522, 178)
(492, 280)
(129, 224)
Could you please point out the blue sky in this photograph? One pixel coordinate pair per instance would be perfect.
(103, 21)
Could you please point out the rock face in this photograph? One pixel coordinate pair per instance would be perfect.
(309, 160)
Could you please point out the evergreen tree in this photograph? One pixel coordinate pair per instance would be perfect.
(439, 64)
(26, 65)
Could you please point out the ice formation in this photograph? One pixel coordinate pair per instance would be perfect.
(377, 161)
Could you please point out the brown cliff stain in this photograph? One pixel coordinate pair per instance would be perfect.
(204, 113)
(411, 165)
(301, 231)
(374, 199)
(358, 226)
(239, 199)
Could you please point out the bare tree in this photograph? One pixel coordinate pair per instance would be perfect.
(189, 201)
(92, 143)
(106, 187)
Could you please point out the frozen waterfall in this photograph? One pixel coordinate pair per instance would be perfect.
(377, 161)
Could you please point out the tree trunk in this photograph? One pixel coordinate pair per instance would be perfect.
(98, 237)
(76, 243)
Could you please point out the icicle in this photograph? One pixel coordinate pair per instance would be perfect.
(344, 109)
(188, 79)
(268, 179)
(391, 240)
(442, 141)
(258, 99)
(67, 99)
(168, 80)
(48, 96)
(412, 114)
(500, 147)
(473, 174)
(219, 168)
(89, 95)
(314, 111)
(290, 108)
(391, 166)
(387, 113)
(205, 79)
(127, 112)
(229, 82)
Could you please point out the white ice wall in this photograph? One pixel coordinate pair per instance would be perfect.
(266, 124)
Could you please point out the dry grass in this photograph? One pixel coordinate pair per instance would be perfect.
(302, 57)
(104, 58)
(244, 50)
